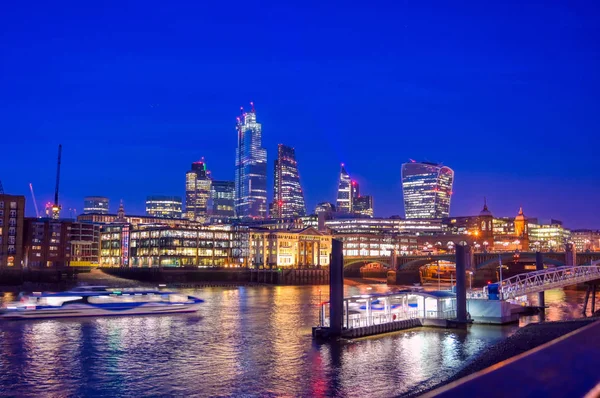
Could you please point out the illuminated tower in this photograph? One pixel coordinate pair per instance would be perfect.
(197, 192)
(288, 197)
(250, 168)
(427, 188)
(520, 224)
(344, 196)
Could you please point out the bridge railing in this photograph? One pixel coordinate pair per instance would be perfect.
(538, 281)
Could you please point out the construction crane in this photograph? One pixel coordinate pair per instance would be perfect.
(37, 211)
(56, 207)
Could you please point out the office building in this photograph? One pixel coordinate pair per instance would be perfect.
(288, 197)
(222, 199)
(427, 189)
(344, 196)
(547, 235)
(114, 245)
(122, 218)
(363, 206)
(164, 246)
(197, 192)
(586, 240)
(85, 244)
(250, 168)
(12, 216)
(325, 207)
(95, 204)
(384, 226)
(164, 206)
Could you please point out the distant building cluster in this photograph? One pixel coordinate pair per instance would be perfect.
(231, 223)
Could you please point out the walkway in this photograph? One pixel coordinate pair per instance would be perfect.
(539, 281)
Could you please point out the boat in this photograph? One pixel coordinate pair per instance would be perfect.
(88, 301)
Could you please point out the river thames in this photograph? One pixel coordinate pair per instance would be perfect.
(245, 341)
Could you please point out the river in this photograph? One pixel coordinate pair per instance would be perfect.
(245, 341)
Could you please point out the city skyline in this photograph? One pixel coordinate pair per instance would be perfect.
(134, 113)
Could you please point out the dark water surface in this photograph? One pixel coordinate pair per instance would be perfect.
(246, 341)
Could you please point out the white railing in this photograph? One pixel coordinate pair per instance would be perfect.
(538, 281)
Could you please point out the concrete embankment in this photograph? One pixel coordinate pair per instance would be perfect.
(525, 339)
(194, 276)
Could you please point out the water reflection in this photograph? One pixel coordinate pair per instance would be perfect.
(251, 341)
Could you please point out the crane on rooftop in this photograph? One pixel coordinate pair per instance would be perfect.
(56, 207)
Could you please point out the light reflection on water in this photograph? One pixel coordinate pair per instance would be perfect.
(251, 341)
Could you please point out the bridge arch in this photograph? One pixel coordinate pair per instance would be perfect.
(416, 263)
(493, 262)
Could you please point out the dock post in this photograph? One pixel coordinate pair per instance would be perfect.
(593, 299)
(461, 283)
(585, 301)
(539, 266)
(336, 288)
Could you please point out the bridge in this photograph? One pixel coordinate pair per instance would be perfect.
(484, 265)
(539, 281)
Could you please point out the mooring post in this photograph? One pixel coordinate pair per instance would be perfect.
(461, 283)
(585, 301)
(539, 266)
(336, 288)
(593, 299)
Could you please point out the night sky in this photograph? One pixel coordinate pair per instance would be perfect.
(505, 94)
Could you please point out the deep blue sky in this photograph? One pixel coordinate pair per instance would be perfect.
(505, 94)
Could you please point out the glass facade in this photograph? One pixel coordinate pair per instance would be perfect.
(222, 246)
(250, 168)
(197, 192)
(288, 197)
(383, 225)
(363, 205)
(548, 235)
(222, 199)
(164, 206)
(427, 189)
(344, 196)
(95, 204)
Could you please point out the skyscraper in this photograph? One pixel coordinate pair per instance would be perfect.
(222, 199)
(95, 204)
(250, 168)
(363, 205)
(288, 197)
(197, 192)
(427, 188)
(344, 196)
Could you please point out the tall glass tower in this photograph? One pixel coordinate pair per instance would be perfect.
(288, 197)
(250, 168)
(344, 197)
(427, 188)
(197, 192)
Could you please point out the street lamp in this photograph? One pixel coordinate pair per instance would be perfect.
(485, 245)
(470, 280)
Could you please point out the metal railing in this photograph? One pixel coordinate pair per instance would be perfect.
(538, 281)
(447, 314)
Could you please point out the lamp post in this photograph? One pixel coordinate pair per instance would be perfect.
(500, 261)
(485, 245)
(470, 280)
